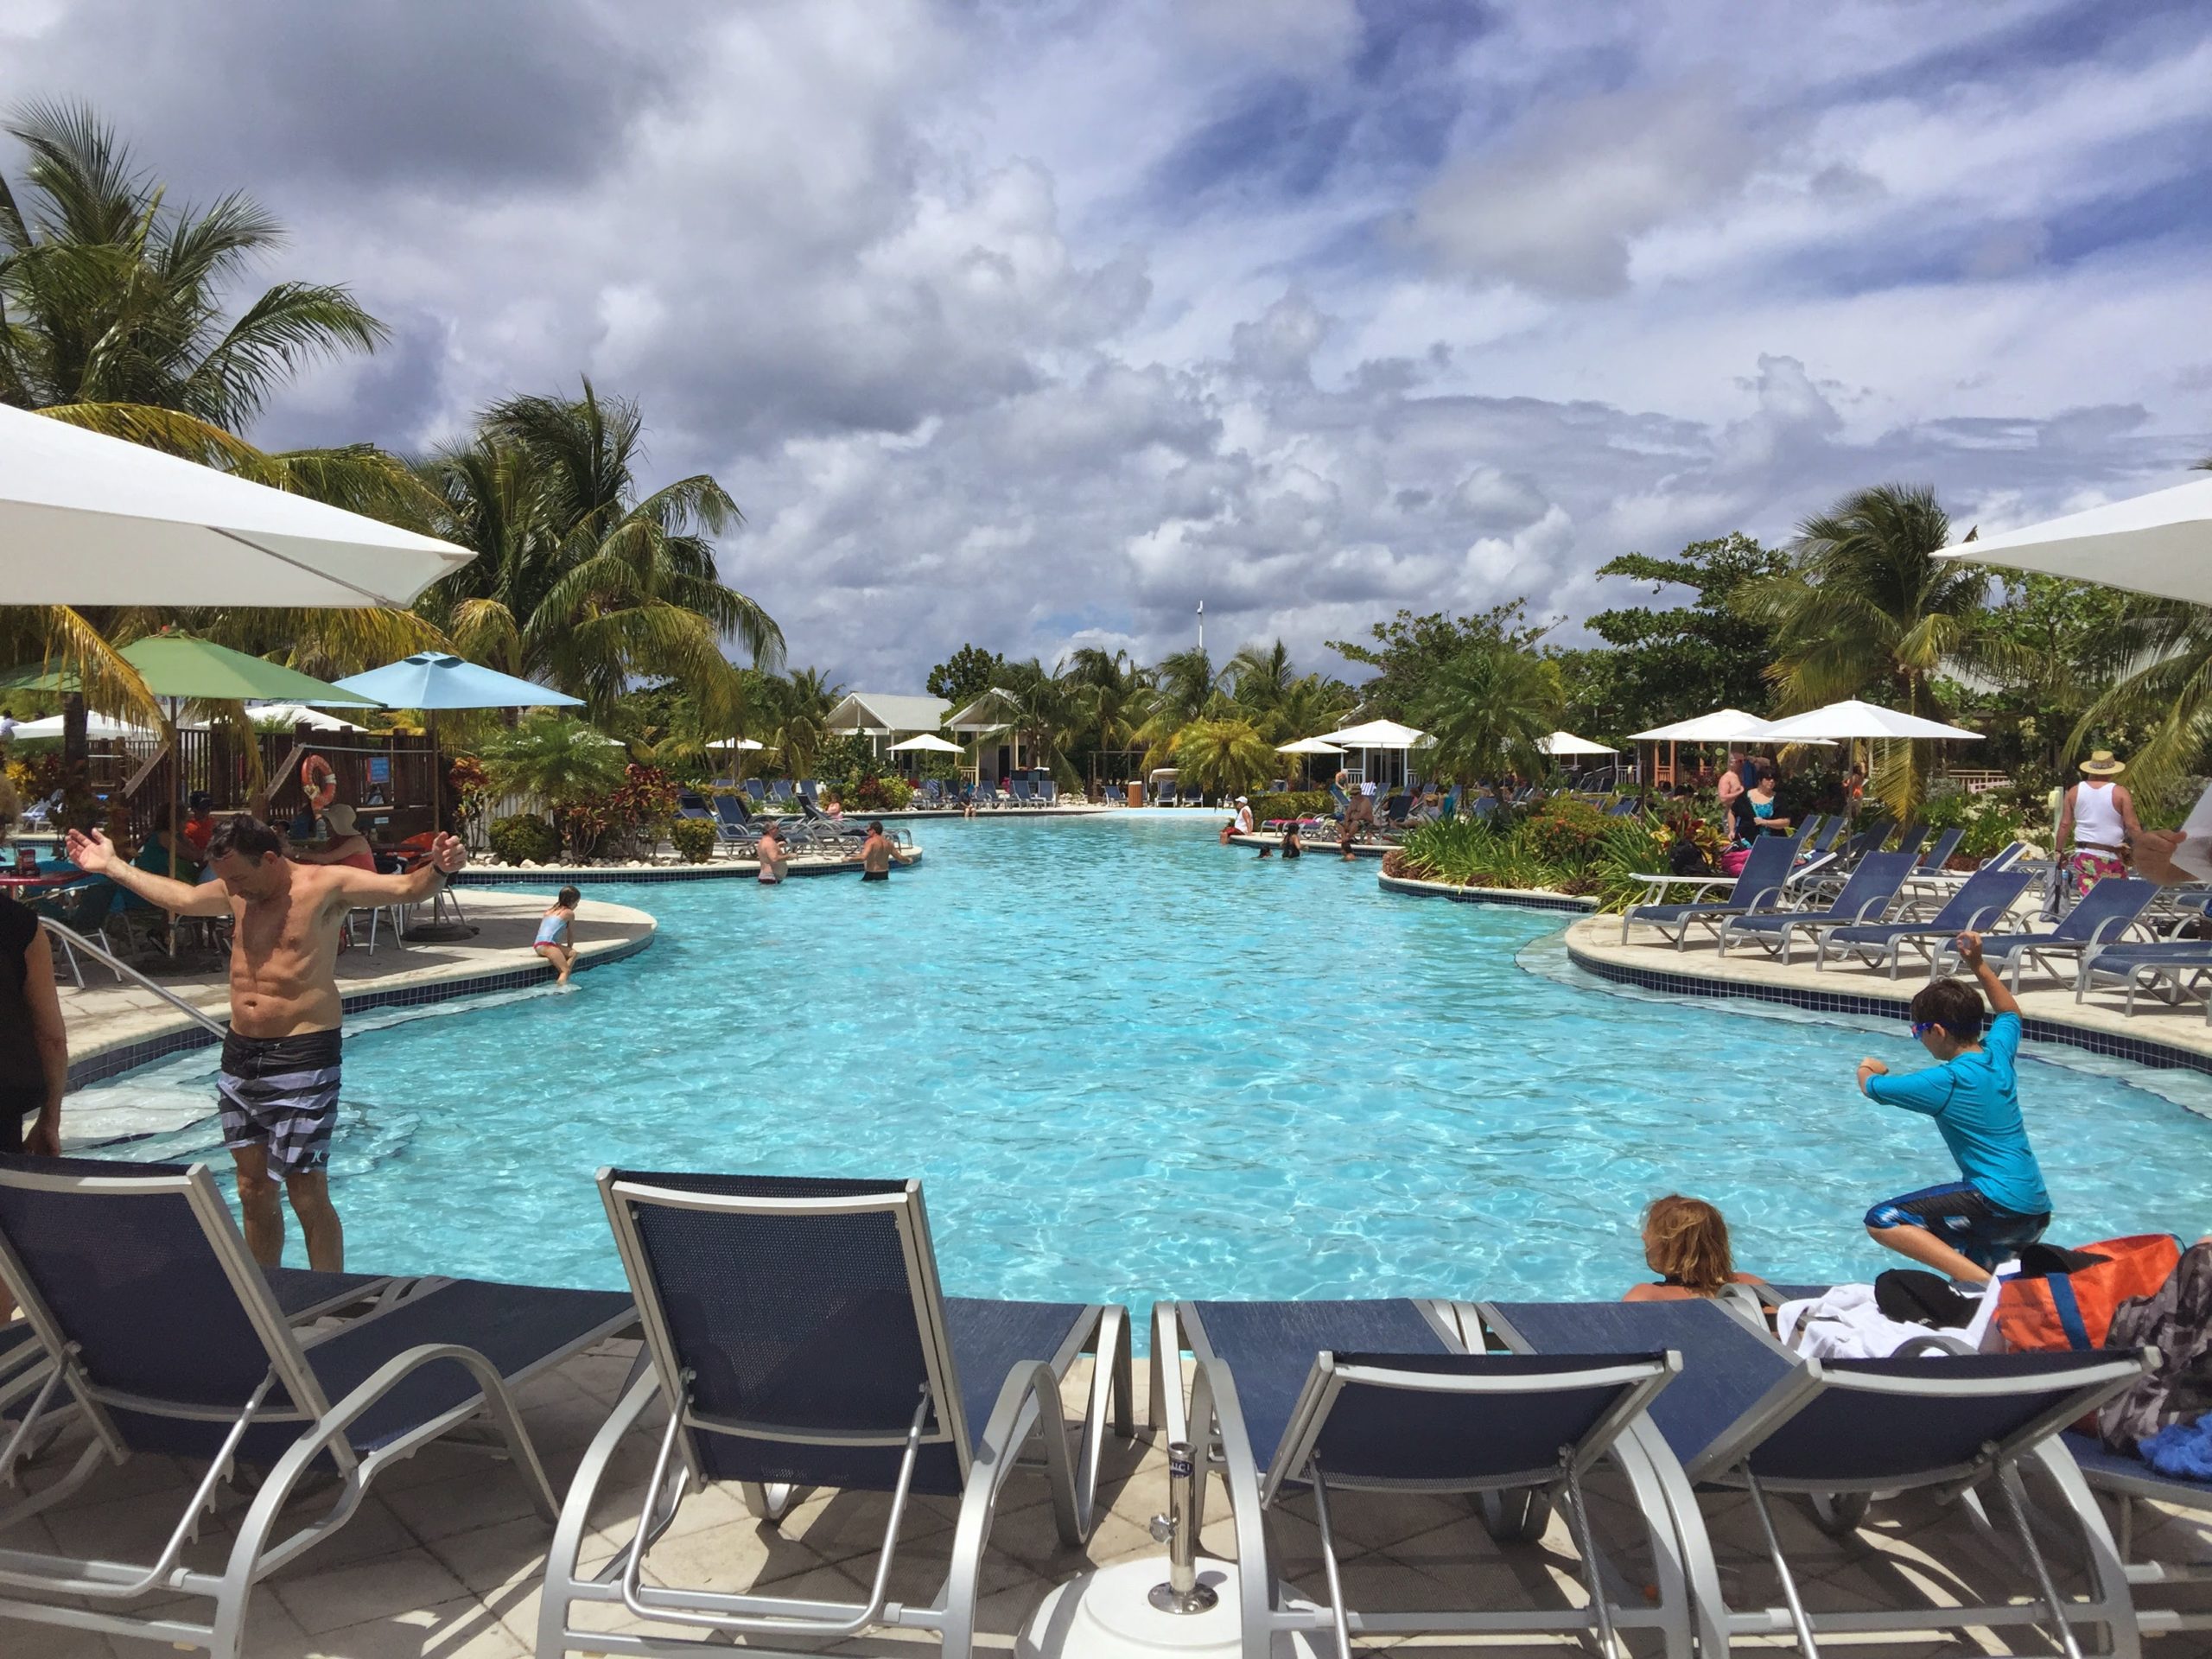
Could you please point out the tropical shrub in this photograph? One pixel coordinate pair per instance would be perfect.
(1992, 824)
(643, 804)
(1223, 757)
(877, 795)
(524, 837)
(845, 758)
(694, 840)
(1298, 803)
(559, 761)
(1565, 831)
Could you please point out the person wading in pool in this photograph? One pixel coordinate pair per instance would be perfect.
(279, 1082)
(878, 853)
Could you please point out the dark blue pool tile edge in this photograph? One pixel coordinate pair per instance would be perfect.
(2036, 1029)
(555, 876)
(113, 1062)
(1411, 889)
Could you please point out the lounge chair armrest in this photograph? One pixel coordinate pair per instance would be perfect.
(1873, 909)
(1217, 1415)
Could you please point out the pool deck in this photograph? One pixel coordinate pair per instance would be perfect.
(114, 1026)
(716, 869)
(2157, 1034)
(445, 1558)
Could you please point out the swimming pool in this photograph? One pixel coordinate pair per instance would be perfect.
(1129, 1062)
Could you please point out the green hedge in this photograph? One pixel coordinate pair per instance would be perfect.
(524, 838)
(1298, 803)
(694, 840)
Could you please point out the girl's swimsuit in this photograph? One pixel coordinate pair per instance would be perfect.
(553, 929)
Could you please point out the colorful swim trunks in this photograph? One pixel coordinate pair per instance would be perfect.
(281, 1093)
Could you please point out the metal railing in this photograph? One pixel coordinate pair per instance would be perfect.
(73, 940)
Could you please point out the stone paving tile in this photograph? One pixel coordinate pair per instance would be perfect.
(445, 1559)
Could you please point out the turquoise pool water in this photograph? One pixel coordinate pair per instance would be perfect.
(1129, 1062)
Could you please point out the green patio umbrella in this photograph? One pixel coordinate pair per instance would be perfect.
(179, 669)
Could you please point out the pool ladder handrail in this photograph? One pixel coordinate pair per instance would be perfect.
(73, 940)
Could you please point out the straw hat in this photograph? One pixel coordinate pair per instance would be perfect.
(340, 817)
(2101, 764)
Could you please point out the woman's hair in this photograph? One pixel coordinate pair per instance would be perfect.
(1763, 770)
(1686, 1239)
(11, 808)
(569, 897)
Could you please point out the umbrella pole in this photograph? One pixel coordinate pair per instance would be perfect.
(176, 802)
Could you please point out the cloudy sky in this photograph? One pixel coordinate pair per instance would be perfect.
(1035, 324)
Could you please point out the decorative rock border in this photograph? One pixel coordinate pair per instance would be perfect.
(1514, 898)
(2036, 1027)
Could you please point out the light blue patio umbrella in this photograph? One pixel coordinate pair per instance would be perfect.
(431, 680)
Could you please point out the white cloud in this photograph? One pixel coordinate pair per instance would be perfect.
(1034, 325)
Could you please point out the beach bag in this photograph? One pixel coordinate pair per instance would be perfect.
(2176, 1320)
(1732, 861)
(2063, 1300)
(1687, 858)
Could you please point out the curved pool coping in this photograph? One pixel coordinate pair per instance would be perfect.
(1687, 977)
(100, 1061)
(1512, 898)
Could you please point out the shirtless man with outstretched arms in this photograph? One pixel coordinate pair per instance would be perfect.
(279, 1084)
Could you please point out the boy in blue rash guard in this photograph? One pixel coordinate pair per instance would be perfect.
(1964, 1228)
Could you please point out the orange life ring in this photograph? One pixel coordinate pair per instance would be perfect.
(319, 795)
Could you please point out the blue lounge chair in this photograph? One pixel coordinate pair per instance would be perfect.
(2176, 965)
(157, 1323)
(1938, 856)
(1165, 795)
(2101, 917)
(2126, 1478)
(779, 792)
(1866, 896)
(736, 824)
(820, 826)
(1021, 795)
(1983, 901)
(758, 790)
(1714, 899)
(1911, 840)
(1048, 792)
(1300, 1401)
(1752, 1417)
(798, 1335)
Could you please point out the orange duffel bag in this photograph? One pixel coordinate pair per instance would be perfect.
(2061, 1310)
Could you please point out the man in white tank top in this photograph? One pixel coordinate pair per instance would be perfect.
(2096, 822)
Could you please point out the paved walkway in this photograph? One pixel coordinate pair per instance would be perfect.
(107, 1014)
(1596, 942)
(445, 1558)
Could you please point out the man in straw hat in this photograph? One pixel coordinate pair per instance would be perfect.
(2096, 822)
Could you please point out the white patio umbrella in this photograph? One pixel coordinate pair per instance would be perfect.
(724, 743)
(1840, 721)
(929, 741)
(2157, 544)
(1721, 726)
(1568, 743)
(298, 713)
(1378, 734)
(1308, 746)
(96, 725)
(93, 520)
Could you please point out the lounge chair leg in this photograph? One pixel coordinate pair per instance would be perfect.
(1586, 1540)
(1338, 1617)
(1804, 1626)
(2016, 1508)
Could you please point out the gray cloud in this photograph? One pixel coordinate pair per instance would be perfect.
(966, 390)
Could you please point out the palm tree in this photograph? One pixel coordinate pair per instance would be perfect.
(1485, 709)
(2168, 696)
(1867, 610)
(1185, 687)
(579, 582)
(1221, 755)
(112, 317)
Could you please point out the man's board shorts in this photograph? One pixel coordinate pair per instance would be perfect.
(875, 875)
(1957, 1213)
(281, 1093)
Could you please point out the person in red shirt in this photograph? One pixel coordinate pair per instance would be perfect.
(200, 823)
